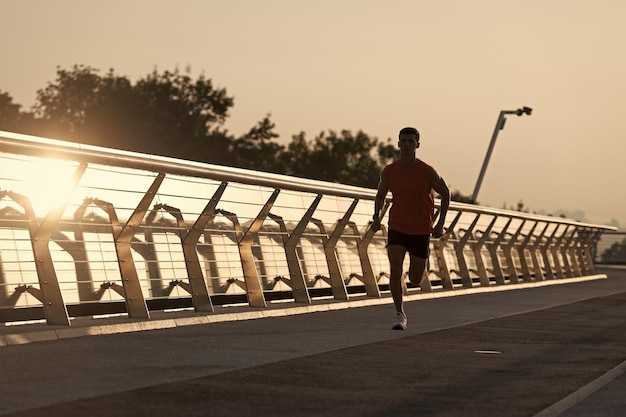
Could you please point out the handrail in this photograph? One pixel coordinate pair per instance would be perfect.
(51, 148)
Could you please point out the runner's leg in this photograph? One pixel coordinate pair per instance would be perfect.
(396, 255)
(417, 273)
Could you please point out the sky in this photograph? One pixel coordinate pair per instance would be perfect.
(446, 67)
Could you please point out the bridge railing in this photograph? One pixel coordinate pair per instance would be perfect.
(87, 231)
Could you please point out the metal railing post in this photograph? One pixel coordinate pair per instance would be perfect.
(297, 282)
(478, 248)
(508, 248)
(459, 248)
(521, 250)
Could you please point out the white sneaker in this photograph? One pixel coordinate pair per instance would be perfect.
(400, 323)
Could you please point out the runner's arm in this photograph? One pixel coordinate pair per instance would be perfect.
(379, 202)
(439, 185)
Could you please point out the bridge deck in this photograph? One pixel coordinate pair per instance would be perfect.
(553, 350)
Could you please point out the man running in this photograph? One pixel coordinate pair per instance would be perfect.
(411, 182)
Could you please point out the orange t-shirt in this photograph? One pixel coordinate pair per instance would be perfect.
(412, 206)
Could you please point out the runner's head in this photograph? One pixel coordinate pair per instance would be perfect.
(410, 131)
(408, 140)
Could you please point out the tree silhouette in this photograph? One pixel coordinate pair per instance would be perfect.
(9, 111)
(339, 157)
(11, 117)
(615, 254)
(169, 113)
(163, 113)
(257, 150)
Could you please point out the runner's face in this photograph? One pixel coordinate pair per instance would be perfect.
(407, 143)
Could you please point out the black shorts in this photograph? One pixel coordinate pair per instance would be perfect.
(416, 245)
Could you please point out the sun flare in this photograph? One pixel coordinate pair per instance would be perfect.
(48, 184)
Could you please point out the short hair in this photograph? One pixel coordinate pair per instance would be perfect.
(410, 131)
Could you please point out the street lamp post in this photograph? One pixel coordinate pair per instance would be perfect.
(499, 127)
